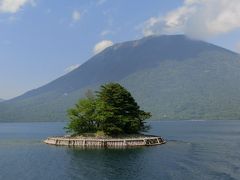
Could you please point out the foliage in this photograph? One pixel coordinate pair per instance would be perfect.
(113, 111)
(82, 116)
(172, 77)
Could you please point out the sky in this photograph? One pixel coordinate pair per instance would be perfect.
(41, 40)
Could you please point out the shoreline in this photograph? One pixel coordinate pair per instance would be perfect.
(145, 140)
(171, 120)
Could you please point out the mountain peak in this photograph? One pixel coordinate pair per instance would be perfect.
(122, 59)
(170, 76)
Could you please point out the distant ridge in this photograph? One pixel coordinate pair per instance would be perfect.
(172, 76)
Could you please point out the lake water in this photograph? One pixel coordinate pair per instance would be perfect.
(195, 150)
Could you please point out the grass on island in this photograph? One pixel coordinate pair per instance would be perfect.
(102, 135)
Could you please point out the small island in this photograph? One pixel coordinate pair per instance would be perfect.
(109, 117)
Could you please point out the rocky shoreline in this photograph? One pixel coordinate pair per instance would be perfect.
(105, 142)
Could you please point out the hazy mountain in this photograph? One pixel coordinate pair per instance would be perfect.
(172, 76)
(1, 100)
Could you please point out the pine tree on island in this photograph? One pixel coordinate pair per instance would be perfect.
(109, 117)
(110, 111)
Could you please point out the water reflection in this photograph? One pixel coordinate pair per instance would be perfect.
(195, 150)
(109, 163)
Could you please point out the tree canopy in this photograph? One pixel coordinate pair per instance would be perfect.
(112, 110)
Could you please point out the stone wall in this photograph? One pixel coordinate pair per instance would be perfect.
(94, 142)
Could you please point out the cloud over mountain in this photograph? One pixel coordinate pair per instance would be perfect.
(197, 18)
(71, 68)
(101, 46)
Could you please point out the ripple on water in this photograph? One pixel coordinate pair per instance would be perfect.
(195, 150)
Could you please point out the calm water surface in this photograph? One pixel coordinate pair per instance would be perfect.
(195, 150)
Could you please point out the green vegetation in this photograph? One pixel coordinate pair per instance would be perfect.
(172, 77)
(112, 110)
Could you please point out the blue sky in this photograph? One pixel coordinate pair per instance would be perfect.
(41, 40)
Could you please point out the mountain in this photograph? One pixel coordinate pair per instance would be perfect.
(172, 76)
(1, 100)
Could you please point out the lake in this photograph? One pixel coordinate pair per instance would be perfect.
(195, 150)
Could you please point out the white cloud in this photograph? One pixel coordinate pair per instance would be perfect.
(71, 68)
(76, 15)
(101, 46)
(197, 18)
(13, 6)
(106, 32)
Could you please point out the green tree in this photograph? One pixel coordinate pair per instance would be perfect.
(82, 117)
(126, 116)
(113, 111)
